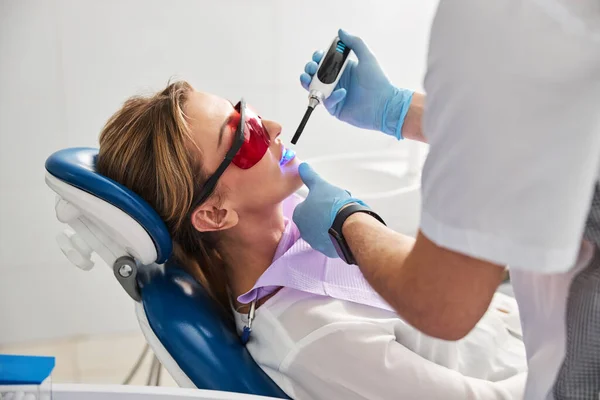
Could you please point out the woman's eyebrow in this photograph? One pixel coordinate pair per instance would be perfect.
(222, 130)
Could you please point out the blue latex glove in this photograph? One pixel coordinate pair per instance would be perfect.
(364, 96)
(315, 215)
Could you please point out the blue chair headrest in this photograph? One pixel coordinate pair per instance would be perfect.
(193, 330)
(77, 166)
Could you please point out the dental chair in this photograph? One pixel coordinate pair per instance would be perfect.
(182, 324)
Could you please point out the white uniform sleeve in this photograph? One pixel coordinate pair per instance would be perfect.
(370, 364)
(513, 121)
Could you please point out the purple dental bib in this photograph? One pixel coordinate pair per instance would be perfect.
(296, 265)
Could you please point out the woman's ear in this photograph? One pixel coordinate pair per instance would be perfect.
(209, 217)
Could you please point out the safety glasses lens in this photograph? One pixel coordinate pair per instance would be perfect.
(256, 140)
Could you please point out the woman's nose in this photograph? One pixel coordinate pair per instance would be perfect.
(272, 127)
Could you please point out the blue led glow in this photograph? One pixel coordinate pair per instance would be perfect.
(286, 156)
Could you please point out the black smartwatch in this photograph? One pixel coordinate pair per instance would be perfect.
(335, 232)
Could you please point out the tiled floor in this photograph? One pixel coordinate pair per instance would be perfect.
(103, 359)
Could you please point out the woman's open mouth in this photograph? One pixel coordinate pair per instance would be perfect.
(286, 156)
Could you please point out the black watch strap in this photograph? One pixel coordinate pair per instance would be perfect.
(335, 231)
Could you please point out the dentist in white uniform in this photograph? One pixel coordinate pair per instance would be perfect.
(512, 117)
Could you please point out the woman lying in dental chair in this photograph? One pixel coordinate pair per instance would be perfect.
(219, 176)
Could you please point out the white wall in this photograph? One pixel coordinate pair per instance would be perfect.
(66, 65)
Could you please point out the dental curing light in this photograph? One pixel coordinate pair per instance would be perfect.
(328, 74)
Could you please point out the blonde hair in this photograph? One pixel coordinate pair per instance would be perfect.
(146, 146)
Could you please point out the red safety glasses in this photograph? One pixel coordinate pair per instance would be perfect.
(254, 138)
(250, 143)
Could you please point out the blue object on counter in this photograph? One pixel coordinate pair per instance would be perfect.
(25, 370)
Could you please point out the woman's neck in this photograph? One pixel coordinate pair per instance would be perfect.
(249, 247)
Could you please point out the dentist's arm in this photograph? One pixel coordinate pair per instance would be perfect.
(440, 292)
(365, 97)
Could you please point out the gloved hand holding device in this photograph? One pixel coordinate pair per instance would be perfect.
(364, 96)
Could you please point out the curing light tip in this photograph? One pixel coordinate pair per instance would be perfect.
(309, 110)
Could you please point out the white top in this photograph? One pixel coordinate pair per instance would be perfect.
(317, 347)
(513, 120)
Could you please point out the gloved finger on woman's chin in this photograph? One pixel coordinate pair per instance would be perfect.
(305, 80)
(317, 55)
(311, 67)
